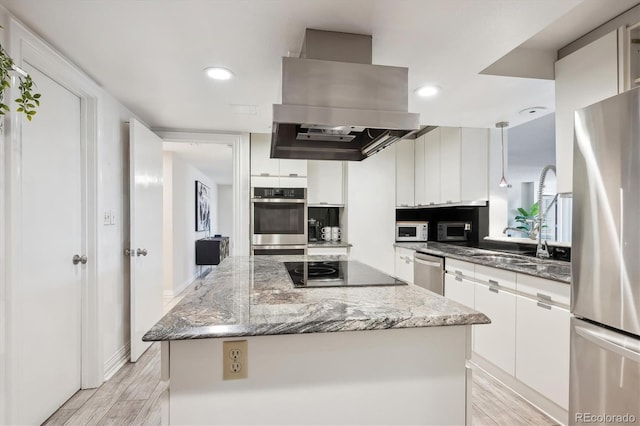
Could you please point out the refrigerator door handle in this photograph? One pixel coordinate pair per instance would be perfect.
(609, 343)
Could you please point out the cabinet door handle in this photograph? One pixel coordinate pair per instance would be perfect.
(494, 289)
(324, 202)
(494, 282)
(543, 296)
(458, 272)
(449, 201)
(544, 305)
(404, 205)
(458, 278)
(264, 174)
(293, 175)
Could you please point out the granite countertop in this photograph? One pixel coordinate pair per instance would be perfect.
(329, 244)
(254, 296)
(544, 268)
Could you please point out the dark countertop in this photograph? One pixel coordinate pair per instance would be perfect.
(254, 296)
(544, 268)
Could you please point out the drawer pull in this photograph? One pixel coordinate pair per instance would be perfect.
(543, 296)
(459, 278)
(404, 205)
(544, 305)
(293, 175)
(458, 272)
(494, 289)
(264, 174)
(493, 282)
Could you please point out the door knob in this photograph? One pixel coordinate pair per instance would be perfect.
(141, 252)
(79, 259)
(129, 252)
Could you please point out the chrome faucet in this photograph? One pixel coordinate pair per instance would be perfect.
(542, 250)
(531, 233)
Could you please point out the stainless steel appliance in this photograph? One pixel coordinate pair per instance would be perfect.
(453, 231)
(278, 218)
(605, 287)
(337, 273)
(336, 105)
(428, 272)
(412, 231)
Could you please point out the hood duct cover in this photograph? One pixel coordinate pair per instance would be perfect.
(336, 105)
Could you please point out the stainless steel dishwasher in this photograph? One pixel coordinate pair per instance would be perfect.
(428, 272)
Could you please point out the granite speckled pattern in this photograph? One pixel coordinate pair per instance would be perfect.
(556, 270)
(254, 296)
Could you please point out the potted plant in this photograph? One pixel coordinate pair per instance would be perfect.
(28, 100)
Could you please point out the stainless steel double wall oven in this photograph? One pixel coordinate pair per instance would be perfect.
(278, 221)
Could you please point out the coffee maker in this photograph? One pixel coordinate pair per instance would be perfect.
(314, 230)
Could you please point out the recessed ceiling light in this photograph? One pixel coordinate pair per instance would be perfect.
(533, 110)
(427, 91)
(218, 73)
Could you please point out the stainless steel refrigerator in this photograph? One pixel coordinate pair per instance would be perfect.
(605, 292)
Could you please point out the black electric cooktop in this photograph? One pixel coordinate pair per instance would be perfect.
(338, 273)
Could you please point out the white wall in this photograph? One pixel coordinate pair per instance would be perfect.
(182, 234)
(225, 210)
(371, 213)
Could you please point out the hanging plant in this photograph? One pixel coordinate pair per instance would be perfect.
(28, 100)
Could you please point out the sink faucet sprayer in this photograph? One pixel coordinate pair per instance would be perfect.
(543, 249)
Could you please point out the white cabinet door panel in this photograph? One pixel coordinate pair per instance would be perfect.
(405, 167)
(459, 289)
(542, 349)
(324, 180)
(432, 167)
(450, 164)
(404, 264)
(420, 170)
(474, 165)
(293, 168)
(495, 342)
(261, 163)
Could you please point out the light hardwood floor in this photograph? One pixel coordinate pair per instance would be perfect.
(134, 395)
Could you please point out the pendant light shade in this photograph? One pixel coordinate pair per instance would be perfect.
(501, 125)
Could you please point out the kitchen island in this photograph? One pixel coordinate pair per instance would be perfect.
(343, 355)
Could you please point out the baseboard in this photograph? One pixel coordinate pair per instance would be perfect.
(117, 360)
(536, 399)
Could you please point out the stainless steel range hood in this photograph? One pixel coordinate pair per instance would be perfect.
(336, 105)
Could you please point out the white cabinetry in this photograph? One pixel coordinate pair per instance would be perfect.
(432, 168)
(420, 168)
(324, 179)
(405, 180)
(458, 281)
(584, 77)
(404, 264)
(270, 172)
(450, 164)
(331, 251)
(542, 337)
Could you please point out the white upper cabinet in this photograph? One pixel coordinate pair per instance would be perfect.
(584, 77)
(324, 180)
(450, 164)
(405, 180)
(432, 168)
(273, 172)
(474, 164)
(419, 171)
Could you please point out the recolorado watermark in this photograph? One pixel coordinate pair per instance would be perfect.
(605, 418)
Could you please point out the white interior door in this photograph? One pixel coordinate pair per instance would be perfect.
(145, 150)
(48, 314)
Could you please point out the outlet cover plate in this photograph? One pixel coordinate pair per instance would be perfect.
(234, 353)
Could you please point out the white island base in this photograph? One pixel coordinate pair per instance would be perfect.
(411, 376)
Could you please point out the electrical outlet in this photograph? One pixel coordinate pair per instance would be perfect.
(234, 360)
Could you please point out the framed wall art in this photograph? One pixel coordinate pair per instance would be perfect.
(203, 206)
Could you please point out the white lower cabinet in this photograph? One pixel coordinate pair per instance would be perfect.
(542, 348)
(495, 342)
(460, 289)
(404, 264)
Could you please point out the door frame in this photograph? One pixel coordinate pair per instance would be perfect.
(24, 46)
(239, 243)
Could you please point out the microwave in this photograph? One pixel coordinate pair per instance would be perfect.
(412, 231)
(454, 231)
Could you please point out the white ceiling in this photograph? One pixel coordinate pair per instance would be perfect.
(150, 54)
(213, 159)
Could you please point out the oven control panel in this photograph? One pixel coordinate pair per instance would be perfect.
(293, 193)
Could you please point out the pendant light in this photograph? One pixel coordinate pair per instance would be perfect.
(501, 125)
